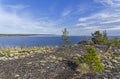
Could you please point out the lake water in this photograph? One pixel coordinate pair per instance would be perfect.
(31, 41)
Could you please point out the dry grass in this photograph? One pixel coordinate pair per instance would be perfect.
(83, 68)
(15, 53)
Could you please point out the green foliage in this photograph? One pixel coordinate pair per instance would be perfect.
(92, 59)
(114, 42)
(77, 61)
(65, 38)
(104, 37)
(97, 37)
(100, 38)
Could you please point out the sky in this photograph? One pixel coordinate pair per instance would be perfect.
(80, 17)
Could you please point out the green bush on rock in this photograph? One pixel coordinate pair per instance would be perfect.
(92, 59)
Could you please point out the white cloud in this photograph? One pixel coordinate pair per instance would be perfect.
(106, 19)
(16, 8)
(110, 3)
(66, 12)
(12, 22)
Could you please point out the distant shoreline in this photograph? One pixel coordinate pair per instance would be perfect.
(26, 34)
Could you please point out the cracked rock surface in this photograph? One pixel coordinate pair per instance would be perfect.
(56, 63)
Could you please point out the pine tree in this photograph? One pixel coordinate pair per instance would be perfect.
(105, 38)
(92, 60)
(65, 38)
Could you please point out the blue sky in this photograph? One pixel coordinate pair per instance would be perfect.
(80, 17)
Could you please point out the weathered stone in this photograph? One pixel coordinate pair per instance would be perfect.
(114, 61)
(60, 58)
(17, 75)
(11, 55)
(39, 64)
(109, 63)
(53, 57)
(110, 66)
(16, 57)
(43, 61)
(29, 63)
(101, 51)
(107, 71)
(117, 58)
(3, 58)
(78, 55)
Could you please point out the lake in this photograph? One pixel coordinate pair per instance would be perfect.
(31, 41)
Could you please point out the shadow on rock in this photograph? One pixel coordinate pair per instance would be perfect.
(72, 65)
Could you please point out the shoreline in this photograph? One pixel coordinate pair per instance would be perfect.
(1, 35)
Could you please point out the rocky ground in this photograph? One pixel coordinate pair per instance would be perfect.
(55, 63)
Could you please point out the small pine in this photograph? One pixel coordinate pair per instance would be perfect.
(92, 59)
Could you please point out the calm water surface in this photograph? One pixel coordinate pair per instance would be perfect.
(30, 41)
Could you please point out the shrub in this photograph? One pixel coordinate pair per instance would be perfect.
(100, 38)
(92, 59)
(114, 42)
(97, 37)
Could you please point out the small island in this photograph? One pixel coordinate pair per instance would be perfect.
(27, 34)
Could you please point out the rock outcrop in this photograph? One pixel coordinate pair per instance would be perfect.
(56, 63)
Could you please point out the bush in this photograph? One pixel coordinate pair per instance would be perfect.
(92, 59)
(114, 42)
(97, 37)
(100, 38)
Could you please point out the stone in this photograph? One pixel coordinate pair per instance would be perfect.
(11, 55)
(60, 58)
(10, 58)
(109, 63)
(63, 67)
(43, 61)
(16, 57)
(109, 57)
(23, 56)
(105, 78)
(3, 58)
(117, 58)
(101, 51)
(42, 64)
(29, 63)
(107, 71)
(78, 55)
(115, 61)
(110, 66)
(53, 57)
(17, 75)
